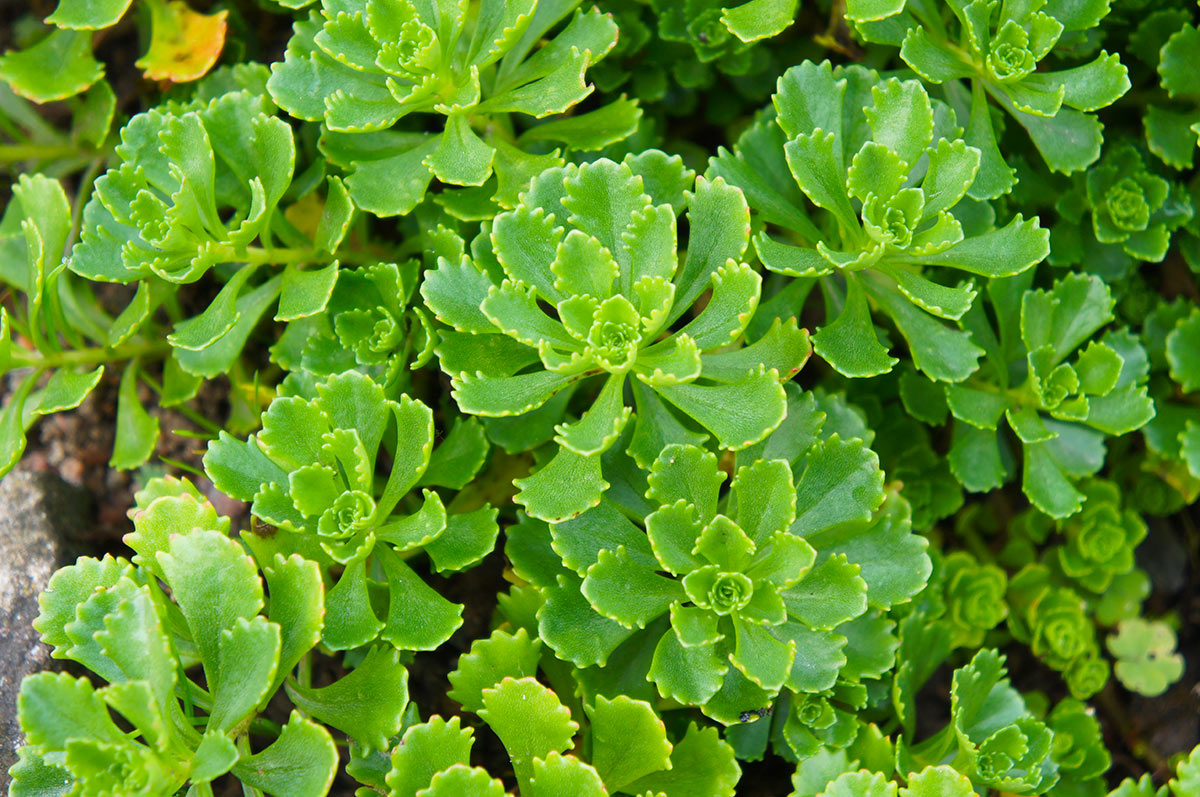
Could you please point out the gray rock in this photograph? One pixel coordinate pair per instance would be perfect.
(40, 514)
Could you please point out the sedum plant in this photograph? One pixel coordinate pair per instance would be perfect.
(736, 596)
(362, 67)
(311, 474)
(598, 244)
(160, 213)
(1130, 206)
(992, 737)
(1058, 397)
(487, 327)
(628, 750)
(198, 187)
(369, 324)
(1085, 759)
(1054, 621)
(1100, 541)
(623, 747)
(999, 48)
(190, 599)
(974, 598)
(881, 173)
(1133, 214)
(536, 730)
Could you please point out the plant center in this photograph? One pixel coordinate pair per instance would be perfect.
(730, 592)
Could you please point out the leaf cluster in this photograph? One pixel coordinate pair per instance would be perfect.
(717, 382)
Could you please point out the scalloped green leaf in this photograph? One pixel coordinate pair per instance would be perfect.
(701, 764)
(841, 483)
(212, 598)
(59, 66)
(425, 750)
(629, 741)
(367, 704)
(462, 779)
(302, 761)
(530, 721)
(626, 591)
(491, 660)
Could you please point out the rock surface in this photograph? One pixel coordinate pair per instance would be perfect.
(40, 516)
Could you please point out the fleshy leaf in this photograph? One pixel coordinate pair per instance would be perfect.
(530, 721)
(59, 66)
(491, 660)
(425, 750)
(629, 741)
(559, 774)
(302, 761)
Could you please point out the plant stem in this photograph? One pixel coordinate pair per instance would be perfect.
(15, 153)
(25, 358)
(282, 256)
(86, 184)
(304, 677)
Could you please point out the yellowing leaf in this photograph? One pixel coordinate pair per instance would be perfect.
(305, 214)
(184, 45)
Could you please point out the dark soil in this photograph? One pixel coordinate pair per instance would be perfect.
(77, 446)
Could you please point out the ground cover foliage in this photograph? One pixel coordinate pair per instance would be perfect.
(807, 374)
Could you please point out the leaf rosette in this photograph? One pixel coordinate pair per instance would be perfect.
(724, 600)
(310, 473)
(198, 186)
(369, 324)
(1078, 748)
(190, 598)
(587, 286)
(1055, 622)
(361, 67)
(165, 211)
(974, 596)
(1101, 539)
(1133, 215)
(992, 737)
(1002, 50)
(1059, 397)
(865, 180)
